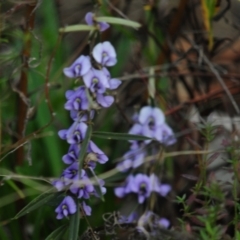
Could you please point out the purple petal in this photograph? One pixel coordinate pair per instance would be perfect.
(164, 222)
(72, 207)
(97, 52)
(136, 129)
(164, 189)
(144, 114)
(103, 26)
(62, 134)
(108, 47)
(68, 72)
(114, 83)
(158, 115)
(87, 209)
(119, 192)
(58, 184)
(89, 18)
(104, 101)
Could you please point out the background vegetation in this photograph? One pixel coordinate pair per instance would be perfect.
(190, 49)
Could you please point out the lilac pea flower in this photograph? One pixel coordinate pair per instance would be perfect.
(114, 83)
(104, 101)
(81, 116)
(89, 18)
(104, 53)
(124, 189)
(152, 119)
(96, 81)
(168, 137)
(129, 219)
(96, 153)
(75, 134)
(132, 159)
(102, 188)
(79, 68)
(156, 186)
(58, 184)
(138, 129)
(152, 116)
(77, 99)
(141, 186)
(66, 207)
(72, 155)
(87, 209)
(71, 173)
(163, 222)
(82, 190)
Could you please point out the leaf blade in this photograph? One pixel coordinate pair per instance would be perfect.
(36, 203)
(120, 21)
(119, 136)
(76, 28)
(57, 233)
(74, 225)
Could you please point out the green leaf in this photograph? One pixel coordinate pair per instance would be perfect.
(74, 225)
(37, 202)
(76, 28)
(57, 233)
(120, 136)
(119, 21)
(84, 146)
(97, 187)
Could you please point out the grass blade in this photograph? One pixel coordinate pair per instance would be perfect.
(37, 202)
(120, 136)
(74, 225)
(57, 233)
(119, 21)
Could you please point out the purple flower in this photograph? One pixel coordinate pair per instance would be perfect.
(104, 101)
(124, 189)
(163, 222)
(75, 134)
(58, 184)
(137, 129)
(96, 81)
(168, 137)
(156, 186)
(141, 186)
(132, 159)
(66, 207)
(77, 99)
(71, 173)
(72, 155)
(81, 116)
(96, 153)
(89, 18)
(102, 189)
(84, 189)
(113, 82)
(87, 209)
(152, 119)
(80, 67)
(104, 53)
(129, 219)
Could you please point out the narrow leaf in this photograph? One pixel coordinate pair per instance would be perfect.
(190, 177)
(119, 136)
(97, 187)
(37, 202)
(57, 233)
(76, 28)
(119, 21)
(84, 146)
(74, 225)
